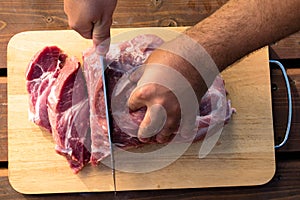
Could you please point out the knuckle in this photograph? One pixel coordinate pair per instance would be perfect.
(102, 30)
(144, 93)
(84, 33)
(101, 34)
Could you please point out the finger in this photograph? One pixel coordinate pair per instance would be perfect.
(171, 126)
(137, 97)
(153, 121)
(143, 135)
(101, 35)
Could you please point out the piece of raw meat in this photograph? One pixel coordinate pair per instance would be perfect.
(58, 102)
(41, 74)
(92, 70)
(68, 110)
(123, 58)
(209, 118)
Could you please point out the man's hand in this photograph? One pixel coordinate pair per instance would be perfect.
(92, 19)
(156, 120)
(164, 112)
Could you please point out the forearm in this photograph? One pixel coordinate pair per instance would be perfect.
(235, 30)
(240, 27)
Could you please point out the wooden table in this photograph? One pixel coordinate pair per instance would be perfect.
(24, 15)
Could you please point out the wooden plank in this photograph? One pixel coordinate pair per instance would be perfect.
(246, 145)
(3, 119)
(287, 48)
(163, 13)
(3, 172)
(23, 15)
(17, 16)
(284, 185)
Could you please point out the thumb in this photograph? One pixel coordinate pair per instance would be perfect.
(101, 36)
(153, 122)
(154, 118)
(135, 100)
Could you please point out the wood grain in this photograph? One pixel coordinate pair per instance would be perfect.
(24, 15)
(34, 15)
(245, 150)
(163, 13)
(3, 119)
(284, 185)
(17, 16)
(287, 48)
(3, 172)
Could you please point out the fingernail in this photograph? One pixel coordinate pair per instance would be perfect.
(102, 49)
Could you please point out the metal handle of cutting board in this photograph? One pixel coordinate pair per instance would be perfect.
(288, 87)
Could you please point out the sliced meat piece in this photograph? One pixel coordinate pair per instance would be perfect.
(92, 71)
(68, 110)
(41, 74)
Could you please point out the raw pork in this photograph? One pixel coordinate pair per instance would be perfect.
(41, 74)
(68, 111)
(52, 81)
(123, 58)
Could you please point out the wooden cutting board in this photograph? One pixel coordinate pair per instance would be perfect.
(244, 154)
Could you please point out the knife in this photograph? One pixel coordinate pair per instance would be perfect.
(112, 160)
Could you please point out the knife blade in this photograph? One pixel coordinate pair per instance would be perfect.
(103, 66)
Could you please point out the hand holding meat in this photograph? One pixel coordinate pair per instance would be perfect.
(92, 19)
(164, 114)
(154, 121)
